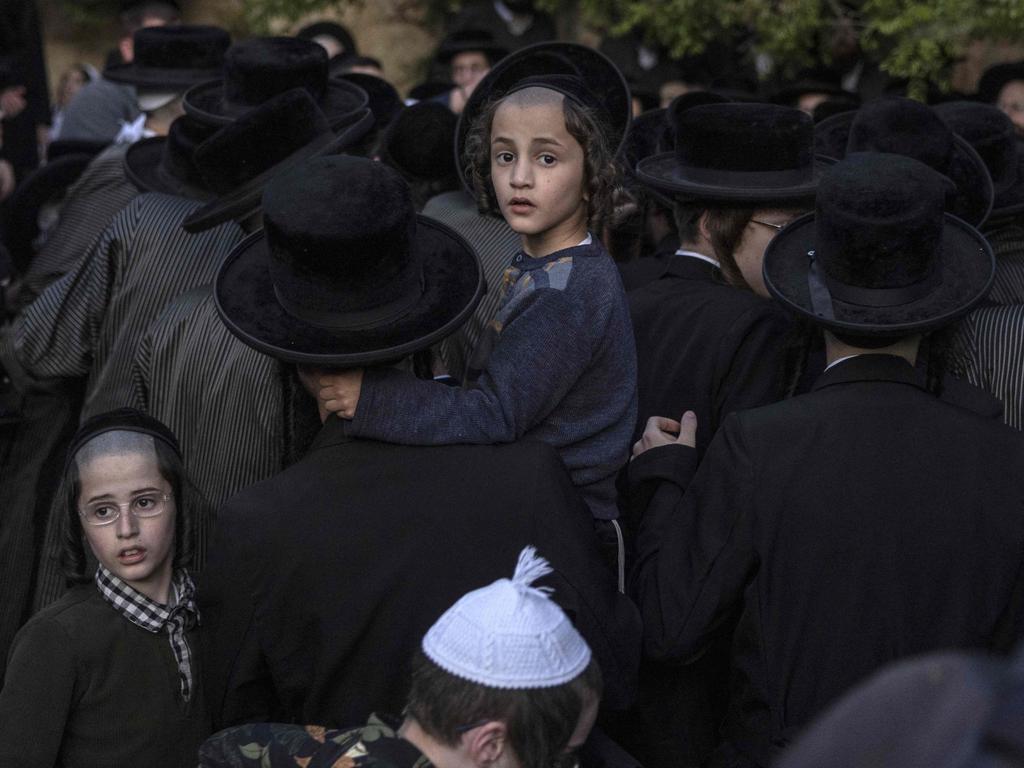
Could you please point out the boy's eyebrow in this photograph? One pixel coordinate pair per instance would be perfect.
(501, 140)
(547, 140)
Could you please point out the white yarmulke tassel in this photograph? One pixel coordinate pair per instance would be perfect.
(529, 568)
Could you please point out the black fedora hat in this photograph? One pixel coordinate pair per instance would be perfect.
(419, 140)
(45, 185)
(879, 257)
(344, 272)
(256, 70)
(579, 72)
(465, 40)
(995, 77)
(382, 98)
(329, 29)
(737, 152)
(173, 58)
(239, 159)
(991, 133)
(167, 163)
(906, 127)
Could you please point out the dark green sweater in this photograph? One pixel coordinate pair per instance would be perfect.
(85, 687)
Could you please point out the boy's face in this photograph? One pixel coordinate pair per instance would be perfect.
(537, 169)
(138, 550)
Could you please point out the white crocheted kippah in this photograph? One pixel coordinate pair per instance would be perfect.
(509, 634)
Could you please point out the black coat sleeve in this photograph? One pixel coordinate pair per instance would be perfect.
(236, 678)
(694, 550)
(584, 584)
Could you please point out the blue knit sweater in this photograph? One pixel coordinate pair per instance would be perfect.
(557, 365)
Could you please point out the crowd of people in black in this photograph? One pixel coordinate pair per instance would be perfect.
(297, 370)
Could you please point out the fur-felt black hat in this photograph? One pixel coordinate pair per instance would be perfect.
(906, 127)
(995, 77)
(173, 58)
(750, 153)
(991, 133)
(345, 273)
(45, 185)
(239, 160)
(256, 70)
(330, 29)
(879, 257)
(603, 86)
(465, 40)
(167, 163)
(383, 100)
(418, 142)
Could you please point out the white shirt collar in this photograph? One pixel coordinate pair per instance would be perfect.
(841, 359)
(586, 240)
(701, 256)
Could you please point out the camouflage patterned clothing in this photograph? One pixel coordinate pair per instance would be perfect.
(277, 745)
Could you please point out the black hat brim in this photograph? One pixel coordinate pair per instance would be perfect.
(832, 134)
(597, 71)
(142, 167)
(452, 287)
(975, 193)
(154, 78)
(967, 267)
(664, 174)
(43, 185)
(247, 198)
(205, 102)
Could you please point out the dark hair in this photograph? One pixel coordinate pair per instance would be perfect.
(600, 168)
(136, 14)
(540, 721)
(72, 556)
(725, 223)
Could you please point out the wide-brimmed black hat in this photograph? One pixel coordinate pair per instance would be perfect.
(754, 153)
(419, 140)
(330, 29)
(576, 71)
(344, 272)
(907, 127)
(382, 98)
(879, 257)
(45, 185)
(464, 40)
(239, 160)
(173, 58)
(167, 163)
(991, 133)
(995, 77)
(256, 70)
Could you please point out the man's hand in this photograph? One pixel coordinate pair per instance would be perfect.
(339, 392)
(661, 431)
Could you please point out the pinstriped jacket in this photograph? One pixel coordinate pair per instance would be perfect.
(91, 202)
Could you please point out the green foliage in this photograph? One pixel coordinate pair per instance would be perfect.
(261, 15)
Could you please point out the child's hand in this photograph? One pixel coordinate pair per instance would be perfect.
(661, 431)
(339, 391)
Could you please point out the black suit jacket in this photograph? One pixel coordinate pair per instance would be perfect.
(323, 580)
(704, 346)
(860, 523)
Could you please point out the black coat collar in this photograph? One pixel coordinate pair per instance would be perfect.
(330, 434)
(871, 367)
(690, 268)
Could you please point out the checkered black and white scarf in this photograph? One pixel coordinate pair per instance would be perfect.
(176, 619)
